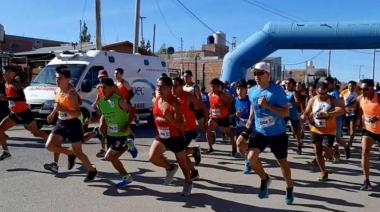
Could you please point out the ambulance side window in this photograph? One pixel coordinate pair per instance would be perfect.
(92, 75)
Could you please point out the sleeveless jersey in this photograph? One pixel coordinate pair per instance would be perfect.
(63, 99)
(16, 106)
(188, 114)
(370, 108)
(165, 129)
(217, 110)
(323, 126)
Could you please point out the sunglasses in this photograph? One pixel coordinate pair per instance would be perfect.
(258, 73)
(364, 89)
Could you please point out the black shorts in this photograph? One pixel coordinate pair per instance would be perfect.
(348, 119)
(174, 144)
(316, 138)
(295, 123)
(223, 122)
(243, 131)
(277, 143)
(116, 144)
(23, 117)
(372, 135)
(71, 130)
(189, 136)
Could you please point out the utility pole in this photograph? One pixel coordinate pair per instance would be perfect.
(328, 69)
(154, 38)
(373, 64)
(98, 25)
(137, 20)
(142, 27)
(80, 35)
(360, 71)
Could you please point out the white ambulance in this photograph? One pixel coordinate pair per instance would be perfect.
(140, 71)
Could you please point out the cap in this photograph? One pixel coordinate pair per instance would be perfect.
(102, 73)
(262, 66)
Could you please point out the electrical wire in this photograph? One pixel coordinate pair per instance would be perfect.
(166, 23)
(271, 11)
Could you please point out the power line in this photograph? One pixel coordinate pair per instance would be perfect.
(312, 58)
(271, 10)
(166, 23)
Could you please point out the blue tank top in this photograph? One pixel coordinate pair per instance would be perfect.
(293, 108)
(243, 106)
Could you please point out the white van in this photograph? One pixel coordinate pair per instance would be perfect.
(140, 71)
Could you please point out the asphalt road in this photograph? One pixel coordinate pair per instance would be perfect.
(26, 186)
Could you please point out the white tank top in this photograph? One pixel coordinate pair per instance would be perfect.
(189, 89)
(320, 106)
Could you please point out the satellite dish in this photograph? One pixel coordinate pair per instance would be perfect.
(170, 50)
(210, 39)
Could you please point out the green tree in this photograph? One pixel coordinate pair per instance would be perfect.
(84, 35)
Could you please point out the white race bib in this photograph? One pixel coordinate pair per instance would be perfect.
(267, 121)
(350, 111)
(215, 112)
(113, 128)
(12, 104)
(63, 115)
(164, 132)
(321, 123)
(368, 121)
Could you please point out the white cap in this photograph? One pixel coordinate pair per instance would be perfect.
(262, 66)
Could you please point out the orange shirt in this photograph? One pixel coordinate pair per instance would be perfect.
(217, 109)
(370, 108)
(63, 99)
(15, 106)
(188, 114)
(123, 90)
(323, 126)
(165, 129)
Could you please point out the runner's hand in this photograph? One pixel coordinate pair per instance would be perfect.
(50, 118)
(262, 102)
(248, 125)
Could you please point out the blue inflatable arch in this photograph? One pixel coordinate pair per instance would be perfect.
(274, 36)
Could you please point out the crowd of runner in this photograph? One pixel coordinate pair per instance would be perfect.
(251, 115)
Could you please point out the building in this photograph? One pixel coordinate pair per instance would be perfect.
(309, 74)
(13, 43)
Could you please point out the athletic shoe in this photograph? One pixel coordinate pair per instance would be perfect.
(51, 167)
(313, 162)
(194, 175)
(71, 161)
(324, 177)
(233, 151)
(247, 168)
(132, 148)
(5, 155)
(197, 155)
(170, 174)
(124, 181)
(348, 152)
(98, 135)
(90, 176)
(366, 186)
(289, 196)
(264, 188)
(209, 151)
(187, 189)
(336, 155)
(101, 153)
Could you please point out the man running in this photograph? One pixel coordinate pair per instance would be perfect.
(349, 97)
(270, 107)
(125, 89)
(168, 118)
(20, 112)
(69, 126)
(190, 86)
(321, 113)
(369, 114)
(220, 104)
(118, 115)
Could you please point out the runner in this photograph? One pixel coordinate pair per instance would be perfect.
(124, 87)
(270, 107)
(321, 112)
(69, 126)
(169, 122)
(190, 86)
(190, 106)
(20, 112)
(117, 114)
(349, 97)
(369, 114)
(242, 132)
(220, 103)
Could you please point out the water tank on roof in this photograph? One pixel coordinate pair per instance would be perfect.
(2, 33)
(220, 38)
(210, 39)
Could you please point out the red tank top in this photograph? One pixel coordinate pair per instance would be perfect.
(217, 110)
(15, 106)
(188, 114)
(100, 91)
(165, 129)
(123, 90)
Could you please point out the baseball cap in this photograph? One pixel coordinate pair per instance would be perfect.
(262, 66)
(102, 73)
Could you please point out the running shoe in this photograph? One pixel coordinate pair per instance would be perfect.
(324, 177)
(197, 155)
(313, 162)
(264, 188)
(170, 174)
(124, 181)
(51, 167)
(247, 168)
(132, 148)
(71, 161)
(366, 186)
(209, 151)
(5, 155)
(194, 175)
(347, 152)
(289, 196)
(101, 153)
(90, 176)
(187, 187)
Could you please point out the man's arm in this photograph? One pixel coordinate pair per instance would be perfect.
(124, 105)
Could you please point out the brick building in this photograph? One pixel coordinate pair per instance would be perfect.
(13, 43)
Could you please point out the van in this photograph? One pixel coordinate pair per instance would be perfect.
(140, 71)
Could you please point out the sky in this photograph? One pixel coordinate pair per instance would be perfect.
(59, 20)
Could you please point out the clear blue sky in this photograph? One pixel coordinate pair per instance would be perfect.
(59, 20)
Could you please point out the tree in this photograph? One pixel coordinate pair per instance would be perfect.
(85, 37)
(163, 49)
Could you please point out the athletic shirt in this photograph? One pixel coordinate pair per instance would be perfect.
(323, 126)
(293, 108)
(188, 114)
(335, 94)
(16, 106)
(115, 117)
(165, 129)
(349, 97)
(189, 88)
(371, 108)
(243, 106)
(123, 89)
(267, 122)
(217, 109)
(99, 88)
(63, 99)
(205, 99)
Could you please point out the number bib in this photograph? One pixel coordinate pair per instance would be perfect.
(12, 104)
(368, 121)
(215, 112)
(350, 111)
(113, 128)
(320, 123)
(164, 132)
(63, 115)
(267, 121)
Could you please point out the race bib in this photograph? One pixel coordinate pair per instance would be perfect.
(290, 105)
(267, 121)
(350, 112)
(369, 122)
(63, 115)
(320, 123)
(215, 112)
(164, 132)
(113, 128)
(12, 104)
